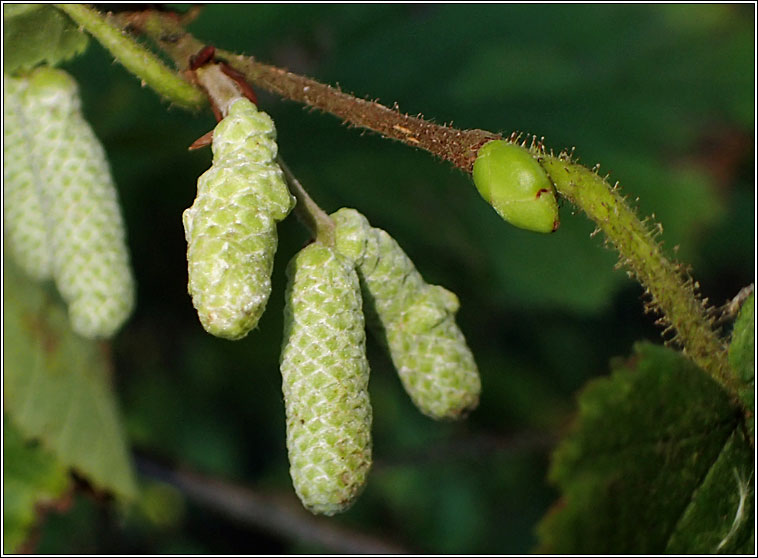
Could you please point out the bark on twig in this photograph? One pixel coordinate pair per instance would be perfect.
(278, 514)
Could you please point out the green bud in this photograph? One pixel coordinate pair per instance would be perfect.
(231, 227)
(516, 185)
(325, 381)
(85, 228)
(414, 320)
(23, 218)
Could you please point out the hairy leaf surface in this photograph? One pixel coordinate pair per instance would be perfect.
(651, 464)
(35, 33)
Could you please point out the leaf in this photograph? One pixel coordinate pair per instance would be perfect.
(724, 499)
(742, 358)
(31, 476)
(57, 386)
(742, 348)
(649, 463)
(35, 34)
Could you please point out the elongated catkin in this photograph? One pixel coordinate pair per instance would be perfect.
(85, 229)
(325, 381)
(23, 217)
(414, 320)
(231, 226)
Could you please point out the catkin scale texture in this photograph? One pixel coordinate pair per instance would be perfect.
(86, 234)
(325, 380)
(23, 218)
(231, 227)
(414, 320)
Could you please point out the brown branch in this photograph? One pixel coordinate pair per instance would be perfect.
(457, 146)
(278, 514)
(730, 310)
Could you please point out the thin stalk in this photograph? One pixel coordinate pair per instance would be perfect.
(308, 211)
(135, 58)
(222, 90)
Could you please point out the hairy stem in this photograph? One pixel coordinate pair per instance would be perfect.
(457, 146)
(672, 293)
(135, 58)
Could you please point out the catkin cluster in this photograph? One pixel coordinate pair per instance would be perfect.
(323, 363)
(232, 240)
(62, 214)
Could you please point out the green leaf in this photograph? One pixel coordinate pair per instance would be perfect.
(724, 499)
(31, 476)
(742, 358)
(742, 348)
(57, 386)
(650, 463)
(36, 34)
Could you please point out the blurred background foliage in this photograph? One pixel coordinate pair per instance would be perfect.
(661, 95)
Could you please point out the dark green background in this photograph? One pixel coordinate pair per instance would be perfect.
(662, 96)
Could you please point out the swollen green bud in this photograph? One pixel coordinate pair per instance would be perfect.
(516, 185)
(414, 320)
(85, 228)
(231, 227)
(23, 218)
(325, 381)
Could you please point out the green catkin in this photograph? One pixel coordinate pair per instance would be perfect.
(414, 320)
(85, 230)
(325, 380)
(231, 227)
(23, 219)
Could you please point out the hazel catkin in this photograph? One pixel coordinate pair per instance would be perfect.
(23, 217)
(231, 227)
(415, 321)
(325, 380)
(85, 229)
